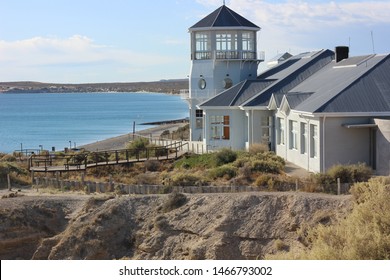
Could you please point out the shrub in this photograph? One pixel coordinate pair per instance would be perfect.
(350, 173)
(224, 156)
(152, 165)
(174, 201)
(7, 158)
(227, 172)
(138, 144)
(258, 148)
(186, 180)
(363, 235)
(267, 166)
(196, 161)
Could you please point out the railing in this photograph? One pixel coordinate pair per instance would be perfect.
(231, 55)
(84, 160)
(200, 95)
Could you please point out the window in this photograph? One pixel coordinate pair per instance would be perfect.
(202, 46)
(220, 127)
(248, 45)
(293, 125)
(313, 141)
(265, 129)
(248, 41)
(303, 138)
(281, 131)
(199, 118)
(226, 45)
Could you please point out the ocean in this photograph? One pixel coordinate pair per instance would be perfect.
(45, 120)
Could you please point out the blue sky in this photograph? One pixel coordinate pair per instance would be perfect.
(85, 41)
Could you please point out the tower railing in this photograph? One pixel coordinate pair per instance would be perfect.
(228, 54)
(200, 95)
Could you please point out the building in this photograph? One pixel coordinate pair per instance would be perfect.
(316, 109)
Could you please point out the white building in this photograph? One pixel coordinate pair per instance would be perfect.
(316, 109)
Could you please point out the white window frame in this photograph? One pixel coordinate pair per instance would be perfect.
(281, 131)
(314, 141)
(293, 132)
(304, 142)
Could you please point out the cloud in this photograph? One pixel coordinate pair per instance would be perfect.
(75, 58)
(310, 15)
(306, 25)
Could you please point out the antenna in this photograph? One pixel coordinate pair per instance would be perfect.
(224, 2)
(372, 40)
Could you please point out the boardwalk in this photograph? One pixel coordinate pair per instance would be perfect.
(84, 160)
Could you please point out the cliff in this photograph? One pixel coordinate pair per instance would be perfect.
(197, 226)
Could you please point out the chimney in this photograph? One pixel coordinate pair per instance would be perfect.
(342, 52)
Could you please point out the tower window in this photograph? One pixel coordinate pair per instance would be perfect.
(202, 83)
(202, 46)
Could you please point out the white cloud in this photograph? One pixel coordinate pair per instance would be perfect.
(76, 59)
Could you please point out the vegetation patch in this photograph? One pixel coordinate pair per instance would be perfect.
(363, 235)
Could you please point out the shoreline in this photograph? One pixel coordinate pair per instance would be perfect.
(119, 142)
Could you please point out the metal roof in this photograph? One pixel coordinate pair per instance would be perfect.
(275, 81)
(363, 87)
(291, 73)
(238, 94)
(224, 17)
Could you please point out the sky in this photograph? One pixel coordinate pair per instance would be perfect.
(88, 41)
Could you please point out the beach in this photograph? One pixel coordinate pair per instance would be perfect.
(119, 142)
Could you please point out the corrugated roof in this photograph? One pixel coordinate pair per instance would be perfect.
(290, 74)
(361, 88)
(238, 94)
(224, 17)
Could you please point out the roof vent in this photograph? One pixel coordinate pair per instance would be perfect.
(342, 52)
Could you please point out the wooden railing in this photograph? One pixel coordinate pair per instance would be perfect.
(83, 160)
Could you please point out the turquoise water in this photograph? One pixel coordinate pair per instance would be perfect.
(61, 120)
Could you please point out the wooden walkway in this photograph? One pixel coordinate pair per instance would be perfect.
(84, 160)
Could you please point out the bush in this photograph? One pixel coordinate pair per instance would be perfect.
(258, 148)
(138, 144)
(350, 173)
(363, 235)
(174, 201)
(224, 156)
(196, 161)
(227, 172)
(152, 165)
(186, 180)
(267, 166)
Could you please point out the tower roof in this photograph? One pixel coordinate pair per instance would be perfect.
(224, 17)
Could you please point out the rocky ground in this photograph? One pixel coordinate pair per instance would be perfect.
(197, 226)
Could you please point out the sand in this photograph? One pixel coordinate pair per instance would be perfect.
(119, 142)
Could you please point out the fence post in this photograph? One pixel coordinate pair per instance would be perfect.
(338, 186)
(296, 185)
(9, 182)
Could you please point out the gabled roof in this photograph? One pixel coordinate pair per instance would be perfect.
(357, 84)
(276, 82)
(224, 17)
(238, 94)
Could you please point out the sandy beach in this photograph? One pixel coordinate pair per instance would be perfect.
(119, 142)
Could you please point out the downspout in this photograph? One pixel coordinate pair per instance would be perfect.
(323, 144)
(252, 128)
(308, 144)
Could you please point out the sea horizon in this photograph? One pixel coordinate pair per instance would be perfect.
(55, 121)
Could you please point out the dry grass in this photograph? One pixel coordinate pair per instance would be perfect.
(362, 235)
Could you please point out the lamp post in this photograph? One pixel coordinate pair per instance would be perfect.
(70, 144)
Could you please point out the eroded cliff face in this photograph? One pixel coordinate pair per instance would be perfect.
(201, 226)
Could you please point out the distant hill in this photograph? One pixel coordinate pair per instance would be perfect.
(164, 86)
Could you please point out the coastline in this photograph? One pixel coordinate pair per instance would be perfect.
(119, 142)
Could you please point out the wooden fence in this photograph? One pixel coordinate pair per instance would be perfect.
(111, 186)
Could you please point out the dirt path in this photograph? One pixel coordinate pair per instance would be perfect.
(120, 142)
